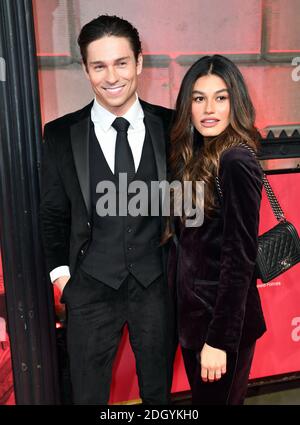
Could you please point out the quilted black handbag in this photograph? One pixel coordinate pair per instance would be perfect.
(279, 247)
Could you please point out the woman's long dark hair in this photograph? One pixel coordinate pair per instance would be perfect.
(192, 160)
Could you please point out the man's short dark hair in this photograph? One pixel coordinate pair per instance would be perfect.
(108, 25)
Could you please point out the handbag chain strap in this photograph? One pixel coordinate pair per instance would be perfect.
(277, 210)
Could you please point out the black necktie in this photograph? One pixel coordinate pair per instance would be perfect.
(124, 162)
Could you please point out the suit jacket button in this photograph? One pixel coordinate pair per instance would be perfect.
(88, 224)
(82, 251)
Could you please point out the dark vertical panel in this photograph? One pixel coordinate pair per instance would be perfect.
(28, 292)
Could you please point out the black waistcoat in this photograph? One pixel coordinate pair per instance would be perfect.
(123, 244)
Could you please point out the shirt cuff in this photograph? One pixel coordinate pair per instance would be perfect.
(59, 272)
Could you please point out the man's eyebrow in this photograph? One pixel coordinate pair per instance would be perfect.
(122, 59)
(99, 62)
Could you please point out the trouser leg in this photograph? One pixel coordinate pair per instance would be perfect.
(147, 325)
(95, 322)
(240, 381)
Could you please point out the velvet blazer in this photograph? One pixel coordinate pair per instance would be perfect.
(213, 266)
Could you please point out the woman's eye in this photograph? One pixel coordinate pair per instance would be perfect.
(198, 99)
(222, 98)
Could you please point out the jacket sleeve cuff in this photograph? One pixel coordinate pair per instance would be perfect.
(228, 343)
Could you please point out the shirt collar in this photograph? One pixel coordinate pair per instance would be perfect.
(105, 118)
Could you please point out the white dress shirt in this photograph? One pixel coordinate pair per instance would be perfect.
(106, 136)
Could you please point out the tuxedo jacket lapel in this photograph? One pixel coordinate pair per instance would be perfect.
(80, 133)
(154, 125)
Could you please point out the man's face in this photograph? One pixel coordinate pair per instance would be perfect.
(113, 70)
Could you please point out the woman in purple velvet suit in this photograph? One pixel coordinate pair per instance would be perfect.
(219, 310)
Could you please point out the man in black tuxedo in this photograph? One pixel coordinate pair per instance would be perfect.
(110, 269)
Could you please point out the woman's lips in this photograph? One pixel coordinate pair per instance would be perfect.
(209, 122)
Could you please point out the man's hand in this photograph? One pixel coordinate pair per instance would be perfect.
(61, 282)
(213, 363)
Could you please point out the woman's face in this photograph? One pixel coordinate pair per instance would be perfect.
(210, 105)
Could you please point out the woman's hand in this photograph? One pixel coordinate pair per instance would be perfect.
(213, 363)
